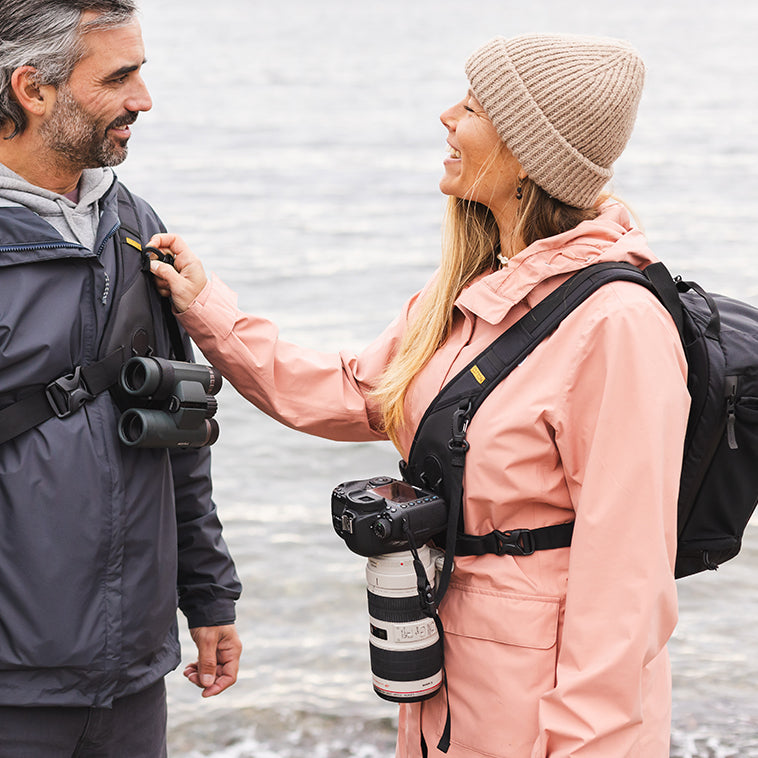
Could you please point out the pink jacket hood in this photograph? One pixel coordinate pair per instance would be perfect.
(610, 237)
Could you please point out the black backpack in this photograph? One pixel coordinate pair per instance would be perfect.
(719, 480)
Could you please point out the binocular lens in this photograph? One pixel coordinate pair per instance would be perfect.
(139, 427)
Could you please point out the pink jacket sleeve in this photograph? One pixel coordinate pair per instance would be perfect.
(320, 393)
(620, 433)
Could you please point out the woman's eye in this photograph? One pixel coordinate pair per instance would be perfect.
(470, 110)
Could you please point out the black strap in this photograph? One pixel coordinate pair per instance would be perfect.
(429, 608)
(61, 397)
(668, 293)
(516, 541)
(492, 365)
(132, 236)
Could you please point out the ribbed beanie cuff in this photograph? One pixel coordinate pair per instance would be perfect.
(564, 105)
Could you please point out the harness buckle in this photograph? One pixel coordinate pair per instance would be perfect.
(458, 444)
(68, 393)
(514, 542)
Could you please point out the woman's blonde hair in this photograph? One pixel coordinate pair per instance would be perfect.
(471, 244)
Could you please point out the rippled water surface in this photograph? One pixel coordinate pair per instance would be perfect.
(297, 146)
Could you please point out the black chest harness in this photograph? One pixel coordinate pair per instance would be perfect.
(136, 313)
(438, 454)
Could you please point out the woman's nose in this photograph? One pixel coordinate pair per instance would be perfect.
(448, 118)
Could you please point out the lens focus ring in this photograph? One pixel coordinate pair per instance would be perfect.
(398, 610)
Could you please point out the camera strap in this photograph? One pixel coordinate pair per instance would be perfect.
(429, 605)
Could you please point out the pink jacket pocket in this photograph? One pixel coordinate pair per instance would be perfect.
(500, 655)
(521, 620)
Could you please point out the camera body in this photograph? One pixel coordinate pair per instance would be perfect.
(173, 403)
(368, 514)
(374, 517)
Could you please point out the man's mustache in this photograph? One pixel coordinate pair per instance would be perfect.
(126, 120)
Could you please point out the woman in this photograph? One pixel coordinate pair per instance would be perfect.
(563, 652)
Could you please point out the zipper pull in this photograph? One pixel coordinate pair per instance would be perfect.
(731, 415)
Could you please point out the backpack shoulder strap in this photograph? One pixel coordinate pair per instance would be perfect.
(127, 216)
(436, 459)
(132, 238)
(475, 382)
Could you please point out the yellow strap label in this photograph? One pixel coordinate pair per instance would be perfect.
(478, 375)
(133, 243)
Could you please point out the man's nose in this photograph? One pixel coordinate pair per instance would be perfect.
(139, 99)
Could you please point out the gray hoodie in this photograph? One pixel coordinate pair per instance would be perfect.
(75, 222)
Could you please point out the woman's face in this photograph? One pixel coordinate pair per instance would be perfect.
(479, 166)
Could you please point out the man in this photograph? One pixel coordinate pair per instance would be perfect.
(97, 538)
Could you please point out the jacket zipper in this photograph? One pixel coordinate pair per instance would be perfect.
(107, 288)
(43, 246)
(68, 245)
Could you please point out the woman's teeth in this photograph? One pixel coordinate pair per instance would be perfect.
(454, 153)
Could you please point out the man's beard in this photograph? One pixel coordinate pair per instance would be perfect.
(78, 138)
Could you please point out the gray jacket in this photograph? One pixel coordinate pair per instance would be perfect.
(98, 541)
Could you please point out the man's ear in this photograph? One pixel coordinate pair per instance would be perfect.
(30, 95)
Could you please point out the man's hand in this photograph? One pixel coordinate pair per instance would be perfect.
(218, 657)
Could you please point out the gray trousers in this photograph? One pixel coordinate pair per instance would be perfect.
(135, 727)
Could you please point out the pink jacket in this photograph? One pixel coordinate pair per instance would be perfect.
(562, 653)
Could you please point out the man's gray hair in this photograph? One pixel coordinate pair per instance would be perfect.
(47, 34)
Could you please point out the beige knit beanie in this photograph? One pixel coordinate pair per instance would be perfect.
(564, 105)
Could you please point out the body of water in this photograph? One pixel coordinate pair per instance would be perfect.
(297, 146)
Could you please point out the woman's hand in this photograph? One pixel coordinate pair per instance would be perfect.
(183, 281)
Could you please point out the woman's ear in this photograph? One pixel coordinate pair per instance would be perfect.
(29, 94)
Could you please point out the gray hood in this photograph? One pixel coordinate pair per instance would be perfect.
(75, 222)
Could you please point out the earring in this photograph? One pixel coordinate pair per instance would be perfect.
(519, 191)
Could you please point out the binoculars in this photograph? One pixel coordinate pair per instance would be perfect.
(174, 403)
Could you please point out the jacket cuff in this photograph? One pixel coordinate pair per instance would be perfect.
(215, 613)
(213, 312)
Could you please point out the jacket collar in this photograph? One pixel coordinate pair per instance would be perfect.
(25, 237)
(609, 237)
